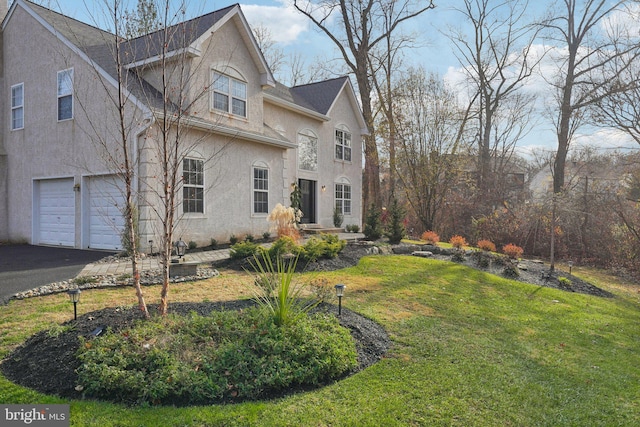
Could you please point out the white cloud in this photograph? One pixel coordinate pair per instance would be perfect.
(285, 24)
(607, 138)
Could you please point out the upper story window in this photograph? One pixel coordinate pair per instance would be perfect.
(17, 106)
(343, 144)
(229, 95)
(307, 151)
(192, 186)
(260, 190)
(65, 94)
(343, 198)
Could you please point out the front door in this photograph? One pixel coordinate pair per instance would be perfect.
(308, 202)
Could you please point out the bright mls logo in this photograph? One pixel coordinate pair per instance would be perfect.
(35, 415)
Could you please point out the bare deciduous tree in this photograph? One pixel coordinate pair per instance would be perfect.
(498, 59)
(361, 26)
(171, 91)
(273, 54)
(592, 52)
(430, 130)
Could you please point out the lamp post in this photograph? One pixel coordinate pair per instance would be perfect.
(570, 265)
(181, 248)
(74, 296)
(339, 292)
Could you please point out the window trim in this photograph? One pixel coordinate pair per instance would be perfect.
(15, 108)
(339, 201)
(337, 143)
(64, 95)
(186, 186)
(254, 190)
(229, 93)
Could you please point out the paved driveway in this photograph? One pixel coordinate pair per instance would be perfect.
(24, 267)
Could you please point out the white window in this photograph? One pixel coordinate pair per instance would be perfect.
(260, 190)
(229, 95)
(65, 94)
(343, 198)
(17, 106)
(307, 151)
(192, 186)
(343, 144)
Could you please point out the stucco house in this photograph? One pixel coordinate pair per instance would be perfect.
(247, 138)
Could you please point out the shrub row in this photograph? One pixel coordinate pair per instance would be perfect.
(324, 246)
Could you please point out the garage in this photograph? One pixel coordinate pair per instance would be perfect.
(106, 222)
(55, 204)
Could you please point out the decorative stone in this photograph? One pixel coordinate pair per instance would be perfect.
(405, 249)
(422, 254)
(522, 266)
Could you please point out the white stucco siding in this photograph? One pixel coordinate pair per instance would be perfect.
(226, 53)
(228, 188)
(330, 170)
(48, 148)
(342, 114)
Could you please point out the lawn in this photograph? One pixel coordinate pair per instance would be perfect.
(470, 349)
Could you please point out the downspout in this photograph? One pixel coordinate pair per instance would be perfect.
(148, 121)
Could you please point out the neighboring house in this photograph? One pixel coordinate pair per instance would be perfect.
(604, 176)
(249, 138)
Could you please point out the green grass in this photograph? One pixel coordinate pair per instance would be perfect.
(470, 349)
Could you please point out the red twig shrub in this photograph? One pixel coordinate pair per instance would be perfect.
(512, 251)
(431, 237)
(486, 245)
(458, 242)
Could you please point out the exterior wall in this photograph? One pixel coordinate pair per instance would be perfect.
(330, 171)
(4, 224)
(228, 179)
(226, 52)
(46, 148)
(4, 121)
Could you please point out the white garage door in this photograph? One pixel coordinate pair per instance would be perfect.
(56, 212)
(105, 212)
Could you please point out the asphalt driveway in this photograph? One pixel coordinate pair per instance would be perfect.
(24, 267)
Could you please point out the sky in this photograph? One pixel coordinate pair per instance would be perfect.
(295, 34)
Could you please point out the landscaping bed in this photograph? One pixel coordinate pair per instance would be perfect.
(47, 361)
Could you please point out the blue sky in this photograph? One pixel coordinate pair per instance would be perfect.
(295, 34)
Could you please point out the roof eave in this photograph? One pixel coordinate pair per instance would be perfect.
(234, 133)
(189, 51)
(295, 107)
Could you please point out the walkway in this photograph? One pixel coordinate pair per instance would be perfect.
(117, 267)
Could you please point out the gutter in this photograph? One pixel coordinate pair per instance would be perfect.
(235, 133)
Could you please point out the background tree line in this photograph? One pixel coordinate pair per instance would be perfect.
(449, 154)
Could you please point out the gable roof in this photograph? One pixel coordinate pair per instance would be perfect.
(179, 36)
(187, 36)
(317, 99)
(321, 95)
(96, 46)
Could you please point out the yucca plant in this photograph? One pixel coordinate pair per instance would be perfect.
(276, 291)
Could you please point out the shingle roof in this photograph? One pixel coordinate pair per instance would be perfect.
(320, 95)
(179, 36)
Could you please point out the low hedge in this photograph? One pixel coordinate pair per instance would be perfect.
(226, 356)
